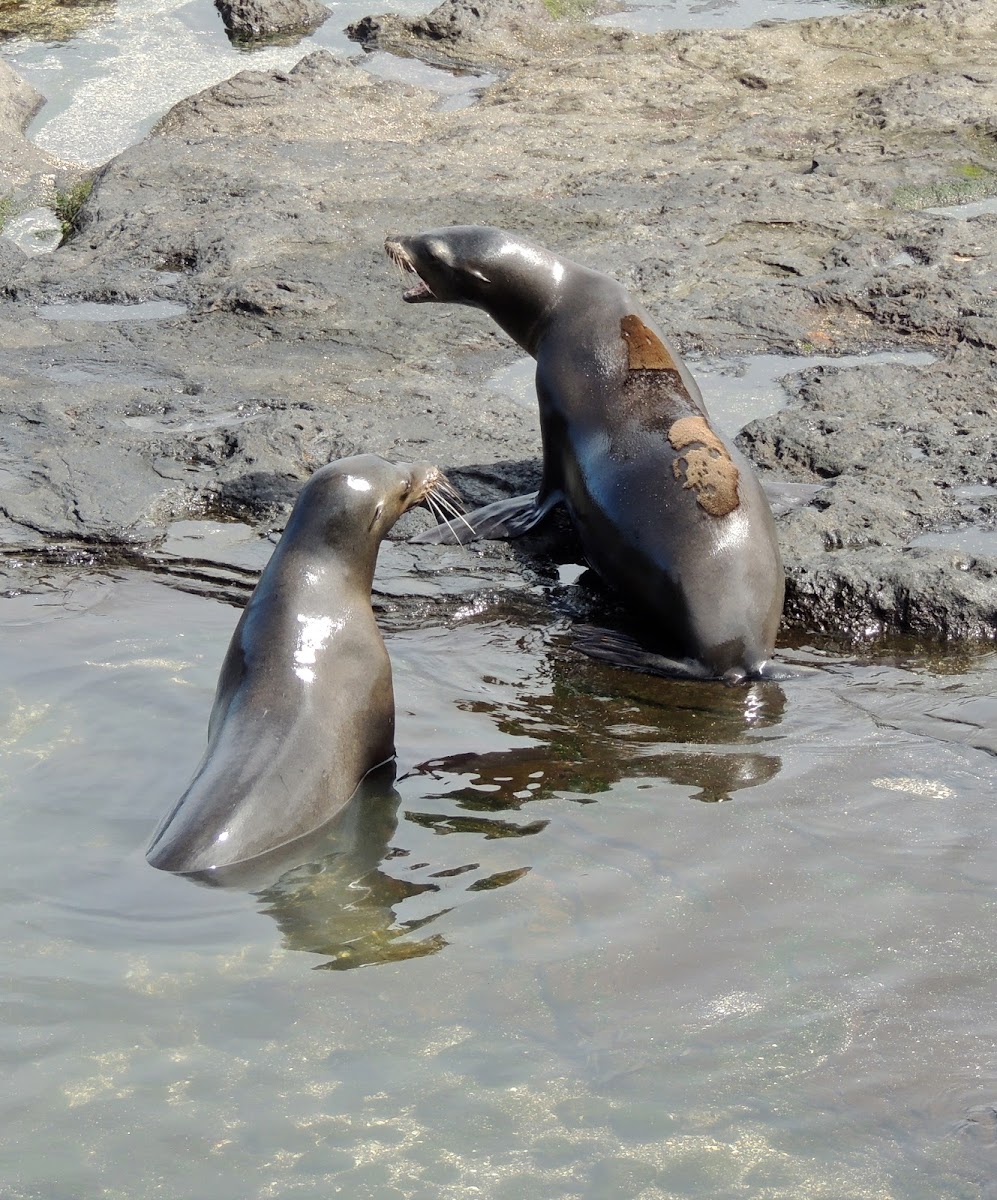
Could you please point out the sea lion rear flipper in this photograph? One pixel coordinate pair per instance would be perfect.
(502, 519)
(624, 651)
(774, 672)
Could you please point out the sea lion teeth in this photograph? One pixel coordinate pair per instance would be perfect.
(421, 291)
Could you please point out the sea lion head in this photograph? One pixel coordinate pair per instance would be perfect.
(364, 496)
(514, 281)
(473, 264)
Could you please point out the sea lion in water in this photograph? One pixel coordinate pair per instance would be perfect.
(304, 707)
(668, 512)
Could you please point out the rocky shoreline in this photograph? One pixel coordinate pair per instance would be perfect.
(762, 190)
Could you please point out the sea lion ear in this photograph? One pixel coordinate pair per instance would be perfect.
(376, 517)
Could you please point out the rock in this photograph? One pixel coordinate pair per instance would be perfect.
(29, 177)
(479, 32)
(21, 164)
(748, 218)
(902, 451)
(262, 20)
(11, 260)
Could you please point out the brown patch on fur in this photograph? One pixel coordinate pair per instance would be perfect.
(707, 467)
(644, 349)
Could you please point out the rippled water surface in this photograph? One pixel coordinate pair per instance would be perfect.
(619, 937)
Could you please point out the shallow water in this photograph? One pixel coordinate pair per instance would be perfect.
(35, 231)
(717, 14)
(968, 540)
(102, 311)
(588, 976)
(966, 212)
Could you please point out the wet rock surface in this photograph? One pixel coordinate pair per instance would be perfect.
(477, 32)
(21, 164)
(743, 183)
(264, 20)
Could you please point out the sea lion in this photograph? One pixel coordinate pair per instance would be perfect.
(304, 707)
(668, 512)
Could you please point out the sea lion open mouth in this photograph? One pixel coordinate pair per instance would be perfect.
(401, 258)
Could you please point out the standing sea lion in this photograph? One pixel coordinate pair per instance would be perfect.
(668, 512)
(304, 707)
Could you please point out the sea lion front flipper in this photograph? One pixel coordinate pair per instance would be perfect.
(502, 519)
(624, 651)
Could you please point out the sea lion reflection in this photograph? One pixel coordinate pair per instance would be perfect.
(328, 892)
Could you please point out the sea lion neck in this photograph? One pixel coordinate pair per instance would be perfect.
(526, 285)
(318, 553)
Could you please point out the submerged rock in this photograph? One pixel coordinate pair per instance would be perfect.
(51, 20)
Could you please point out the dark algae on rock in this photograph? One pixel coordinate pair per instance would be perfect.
(751, 187)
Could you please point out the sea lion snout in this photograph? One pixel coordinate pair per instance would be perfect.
(431, 488)
(396, 249)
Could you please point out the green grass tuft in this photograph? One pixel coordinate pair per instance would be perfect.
(976, 183)
(68, 205)
(575, 10)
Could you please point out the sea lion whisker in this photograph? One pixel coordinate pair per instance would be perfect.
(440, 485)
(399, 258)
(448, 489)
(447, 504)
(440, 514)
(433, 504)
